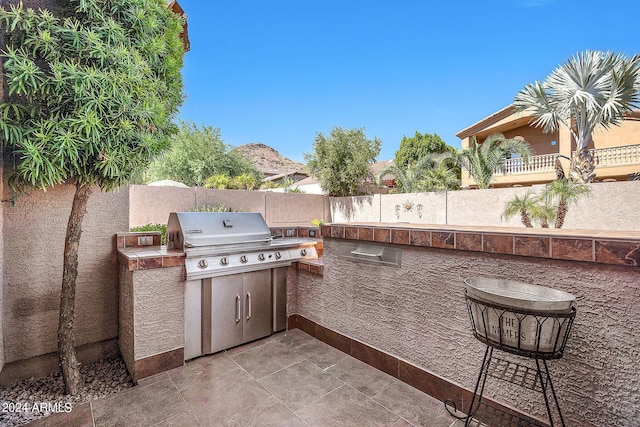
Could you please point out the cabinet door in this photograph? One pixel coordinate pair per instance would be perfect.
(257, 304)
(226, 312)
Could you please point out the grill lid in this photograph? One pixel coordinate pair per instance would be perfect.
(204, 231)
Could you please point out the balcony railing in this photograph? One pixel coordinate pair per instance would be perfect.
(542, 163)
(602, 157)
(616, 156)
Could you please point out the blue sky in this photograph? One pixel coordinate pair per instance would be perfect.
(280, 71)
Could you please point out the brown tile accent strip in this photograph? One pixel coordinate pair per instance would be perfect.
(374, 357)
(292, 322)
(158, 363)
(365, 233)
(351, 233)
(605, 247)
(307, 325)
(535, 246)
(130, 239)
(440, 388)
(400, 237)
(325, 230)
(149, 263)
(334, 339)
(337, 231)
(497, 243)
(173, 261)
(572, 249)
(420, 238)
(623, 253)
(382, 235)
(469, 241)
(440, 239)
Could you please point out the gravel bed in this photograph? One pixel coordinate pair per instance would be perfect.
(31, 399)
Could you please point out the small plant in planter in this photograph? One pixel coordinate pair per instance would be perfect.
(162, 228)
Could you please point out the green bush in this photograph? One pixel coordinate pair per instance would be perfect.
(162, 228)
(216, 207)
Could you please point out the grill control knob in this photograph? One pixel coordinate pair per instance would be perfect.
(261, 257)
(278, 255)
(303, 252)
(224, 261)
(243, 259)
(203, 263)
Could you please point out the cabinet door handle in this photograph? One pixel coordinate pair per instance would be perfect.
(248, 305)
(237, 308)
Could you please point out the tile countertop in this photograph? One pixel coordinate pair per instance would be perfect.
(598, 246)
(148, 257)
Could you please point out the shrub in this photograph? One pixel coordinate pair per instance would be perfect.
(162, 228)
(216, 207)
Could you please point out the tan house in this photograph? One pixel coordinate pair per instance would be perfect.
(616, 151)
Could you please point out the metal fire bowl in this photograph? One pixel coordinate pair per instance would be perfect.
(538, 334)
(519, 295)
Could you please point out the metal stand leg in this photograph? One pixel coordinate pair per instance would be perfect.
(482, 377)
(544, 384)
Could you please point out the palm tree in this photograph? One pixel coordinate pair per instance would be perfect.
(521, 206)
(591, 89)
(421, 176)
(567, 193)
(544, 211)
(442, 176)
(483, 161)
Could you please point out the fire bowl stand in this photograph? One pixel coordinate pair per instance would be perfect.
(544, 348)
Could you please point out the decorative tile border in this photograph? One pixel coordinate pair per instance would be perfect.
(440, 388)
(587, 246)
(146, 257)
(153, 257)
(159, 363)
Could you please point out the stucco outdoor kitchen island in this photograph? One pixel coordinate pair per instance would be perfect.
(411, 320)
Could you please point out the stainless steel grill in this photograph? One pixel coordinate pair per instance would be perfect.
(223, 243)
(235, 289)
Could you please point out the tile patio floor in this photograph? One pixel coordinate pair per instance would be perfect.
(288, 379)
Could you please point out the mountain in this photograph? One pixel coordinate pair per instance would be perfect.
(268, 160)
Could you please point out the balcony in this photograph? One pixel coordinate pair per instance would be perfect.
(610, 162)
(616, 156)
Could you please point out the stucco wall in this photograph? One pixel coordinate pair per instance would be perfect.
(34, 232)
(152, 205)
(418, 313)
(158, 298)
(612, 206)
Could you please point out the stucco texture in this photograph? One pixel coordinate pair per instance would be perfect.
(158, 311)
(611, 206)
(152, 205)
(34, 232)
(418, 313)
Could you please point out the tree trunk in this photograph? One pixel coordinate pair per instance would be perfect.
(582, 167)
(561, 213)
(524, 217)
(66, 339)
